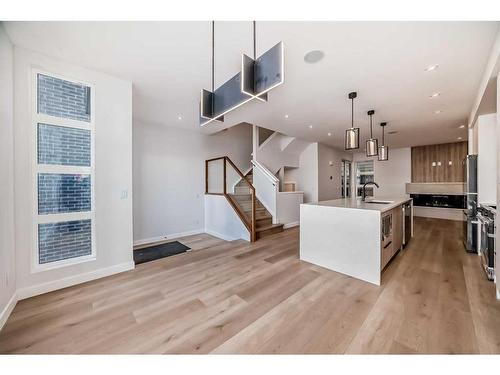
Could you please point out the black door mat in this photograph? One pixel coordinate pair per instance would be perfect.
(147, 254)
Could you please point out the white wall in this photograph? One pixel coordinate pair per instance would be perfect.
(474, 144)
(113, 175)
(391, 175)
(330, 188)
(289, 208)
(307, 176)
(487, 162)
(169, 175)
(222, 221)
(266, 190)
(7, 243)
(271, 155)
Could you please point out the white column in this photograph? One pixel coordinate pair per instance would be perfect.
(255, 141)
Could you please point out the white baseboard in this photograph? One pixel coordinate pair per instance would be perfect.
(291, 225)
(4, 315)
(220, 235)
(498, 293)
(167, 237)
(50, 286)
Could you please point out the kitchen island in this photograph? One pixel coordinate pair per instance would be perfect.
(354, 237)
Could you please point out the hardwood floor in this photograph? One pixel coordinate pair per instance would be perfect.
(236, 297)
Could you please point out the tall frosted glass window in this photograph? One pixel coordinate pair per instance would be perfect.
(60, 98)
(61, 145)
(58, 193)
(63, 128)
(64, 240)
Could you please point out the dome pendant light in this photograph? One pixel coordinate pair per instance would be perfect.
(352, 134)
(372, 143)
(383, 151)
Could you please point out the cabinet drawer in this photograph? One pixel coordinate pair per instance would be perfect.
(386, 255)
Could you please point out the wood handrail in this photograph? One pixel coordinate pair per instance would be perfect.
(249, 224)
(214, 159)
(240, 173)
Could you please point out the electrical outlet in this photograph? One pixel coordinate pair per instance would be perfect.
(124, 194)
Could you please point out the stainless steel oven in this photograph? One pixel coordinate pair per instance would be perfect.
(407, 223)
(486, 218)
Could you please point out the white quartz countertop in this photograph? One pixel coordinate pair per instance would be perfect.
(357, 203)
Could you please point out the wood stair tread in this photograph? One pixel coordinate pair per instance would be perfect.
(272, 226)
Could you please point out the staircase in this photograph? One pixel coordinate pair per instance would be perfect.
(263, 219)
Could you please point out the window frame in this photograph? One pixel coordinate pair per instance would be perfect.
(40, 118)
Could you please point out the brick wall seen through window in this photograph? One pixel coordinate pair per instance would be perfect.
(60, 193)
(64, 240)
(60, 145)
(60, 98)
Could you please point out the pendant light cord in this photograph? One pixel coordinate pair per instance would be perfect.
(383, 133)
(213, 56)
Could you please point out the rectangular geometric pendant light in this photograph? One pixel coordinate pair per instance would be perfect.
(352, 139)
(383, 153)
(372, 147)
(256, 79)
(372, 143)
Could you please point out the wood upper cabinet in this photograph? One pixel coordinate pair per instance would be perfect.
(438, 163)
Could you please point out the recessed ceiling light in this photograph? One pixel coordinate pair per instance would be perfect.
(431, 68)
(286, 116)
(179, 117)
(461, 126)
(435, 95)
(459, 138)
(329, 134)
(438, 112)
(313, 57)
(310, 126)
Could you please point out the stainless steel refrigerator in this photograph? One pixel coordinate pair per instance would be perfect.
(470, 211)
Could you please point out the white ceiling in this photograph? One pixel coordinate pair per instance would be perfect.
(169, 62)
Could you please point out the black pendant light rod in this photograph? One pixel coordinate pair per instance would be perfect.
(371, 112)
(352, 112)
(352, 96)
(383, 124)
(254, 41)
(213, 56)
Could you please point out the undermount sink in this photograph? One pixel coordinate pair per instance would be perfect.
(378, 201)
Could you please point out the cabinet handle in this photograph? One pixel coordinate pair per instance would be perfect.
(387, 245)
